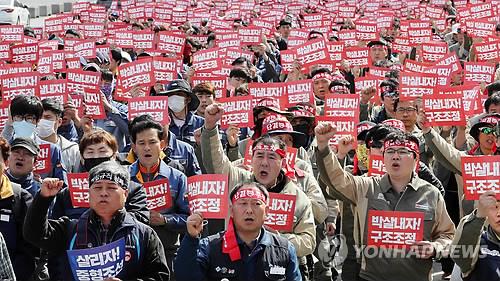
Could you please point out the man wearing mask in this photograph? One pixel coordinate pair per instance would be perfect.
(181, 104)
(25, 114)
(47, 131)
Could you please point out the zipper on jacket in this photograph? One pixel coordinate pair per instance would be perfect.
(400, 197)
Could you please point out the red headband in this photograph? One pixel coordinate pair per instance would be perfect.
(339, 88)
(273, 148)
(322, 75)
(411, 145)
(395, 123)
(249, 193)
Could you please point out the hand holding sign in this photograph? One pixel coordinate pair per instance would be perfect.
(50, 187)
(324, 132)
(487, 202)
(422, 122)
(213, 113)
(194, 225)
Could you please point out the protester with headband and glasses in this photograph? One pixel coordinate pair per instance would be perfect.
(400, 191)
(269, 168)
(245, 251)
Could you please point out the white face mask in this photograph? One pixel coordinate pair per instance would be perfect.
(23, 129)
(45, 128)
(176, 103)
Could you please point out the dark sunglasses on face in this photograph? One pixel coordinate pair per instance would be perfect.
(488, 131)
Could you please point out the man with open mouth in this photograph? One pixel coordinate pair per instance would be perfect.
(268, 162)
(398, 193)
(246, 251)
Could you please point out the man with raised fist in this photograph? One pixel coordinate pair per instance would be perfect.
(400, 194)
(105, 222)
(246, 251)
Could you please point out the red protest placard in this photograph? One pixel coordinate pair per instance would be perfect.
(165, 69)
(170, 42)
(139, 72)
(250, 35)
(298, 92)
(85, 48)
(413, 85)
(287, 59)
(57, 59)
(156, 106)
(5, 52)
(93, 104)
(480, 174)
(267, 90)
(122, 38)
(17, 84)
(25, 53)
(44, 65)
(78, 186)
(208, 194)
(219, 82)
(11, 33)
(234, 53)
(207, 60)
(93, 30)
(366, 31)
(419, 31)
(443, 73)
(487, 51)
(401, 44)
(281, 211)
(357, 56)
(346, 126)
(434, 50)
(80, 81)
(394, 229)
(342, 105)
(4, 115)
(237, 111)
(73, 63)
(376, 165)
(43, 160)
(291, 156)
(144, 39)
(158, 195)
(450, 59)
(479, 72)
(336, 50)
(53, 89)
(311, 52)
(444, 110)
(480, 28)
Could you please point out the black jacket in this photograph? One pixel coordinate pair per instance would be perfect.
(13, 210)
(56, 235)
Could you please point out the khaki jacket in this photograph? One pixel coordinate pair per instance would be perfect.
(374, 193)
(468, 233)
(450, 157)
(303, 235)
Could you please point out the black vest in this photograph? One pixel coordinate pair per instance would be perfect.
(488, 265)
(271, 264)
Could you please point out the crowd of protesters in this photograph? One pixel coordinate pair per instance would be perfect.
(376, 122)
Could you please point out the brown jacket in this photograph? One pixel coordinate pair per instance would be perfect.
(303, 235)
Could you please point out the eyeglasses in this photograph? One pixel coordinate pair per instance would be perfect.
(406, 109)
(28, 117)
(488, 131)
(403, 152)
(391, 95)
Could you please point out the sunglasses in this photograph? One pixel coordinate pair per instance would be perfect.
(488, 131)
